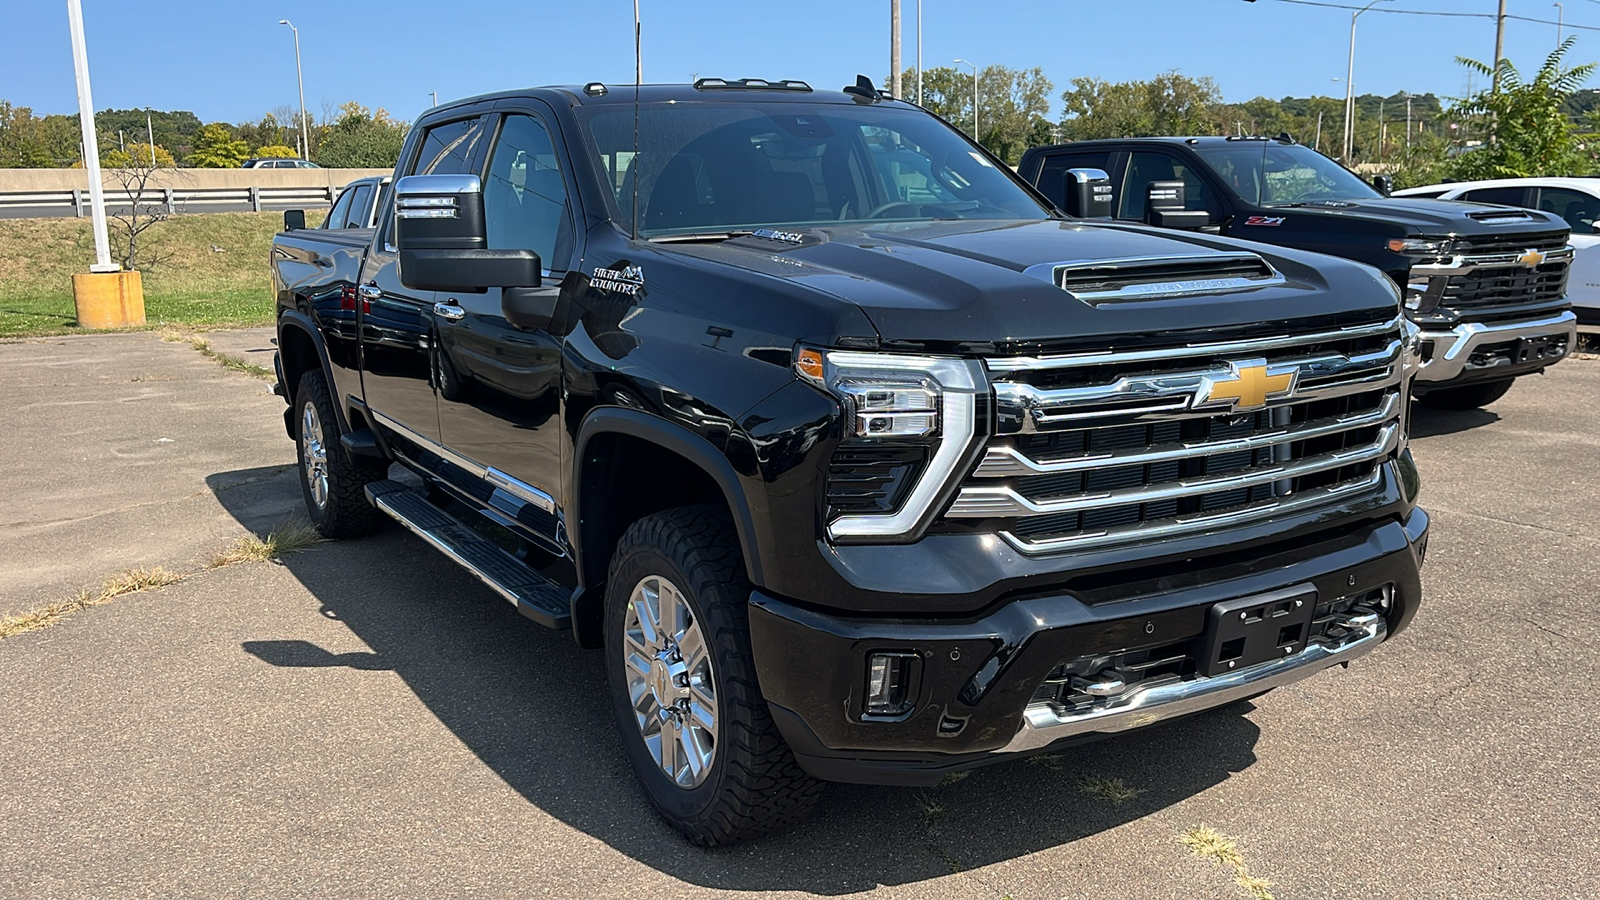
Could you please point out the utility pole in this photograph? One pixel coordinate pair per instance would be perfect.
(1318, 142)
(1499, 45)
(1349, 84)
(919, 52)
(974, 97)
(150, 129)
(91, 143)
(894, 47)
(305, 132)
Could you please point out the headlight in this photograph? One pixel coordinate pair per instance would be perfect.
(893, 405)
(1422, 246)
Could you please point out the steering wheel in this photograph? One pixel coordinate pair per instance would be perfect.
(882, 210)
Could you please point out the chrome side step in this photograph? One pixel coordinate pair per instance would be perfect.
(533, 594)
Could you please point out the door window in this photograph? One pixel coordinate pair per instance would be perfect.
(1579, 209)
(341, 210)
(524, 197)
(1505, 196)
(1053, 173)
(1146, 167)
(448, 148)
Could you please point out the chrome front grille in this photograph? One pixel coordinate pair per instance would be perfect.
(1098, 449)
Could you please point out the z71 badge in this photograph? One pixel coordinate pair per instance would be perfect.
(1270, 221)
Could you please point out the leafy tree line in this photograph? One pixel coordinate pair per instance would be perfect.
(350, 137)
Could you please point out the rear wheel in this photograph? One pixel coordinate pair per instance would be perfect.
(683, 683)
(1470, 396)
(332, 481)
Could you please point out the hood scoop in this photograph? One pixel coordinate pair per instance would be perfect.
(1500, 216)
(1153, 278)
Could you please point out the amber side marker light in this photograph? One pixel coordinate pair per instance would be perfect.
(809, 364)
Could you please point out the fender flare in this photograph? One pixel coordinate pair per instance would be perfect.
(292, 318)
(679, 440)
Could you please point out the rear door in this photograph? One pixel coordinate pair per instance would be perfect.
(397, 333)
(499, 385)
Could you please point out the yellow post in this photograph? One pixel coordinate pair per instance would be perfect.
(108, 299)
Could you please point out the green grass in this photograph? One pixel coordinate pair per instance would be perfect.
(190, 285)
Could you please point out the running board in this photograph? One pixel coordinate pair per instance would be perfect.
(533, 594)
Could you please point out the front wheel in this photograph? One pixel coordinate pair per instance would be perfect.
(683, 683)
(1470, 396)
(332, 481)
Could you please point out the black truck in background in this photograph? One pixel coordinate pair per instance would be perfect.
(855, 459)
(1486, 284)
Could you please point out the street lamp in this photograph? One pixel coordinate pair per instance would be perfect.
(1560, 12)
(1349, 83)
(974, 96)
(305, 136)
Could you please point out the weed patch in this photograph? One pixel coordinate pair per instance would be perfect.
(130, 581)
(286, 538)
(1207, 842)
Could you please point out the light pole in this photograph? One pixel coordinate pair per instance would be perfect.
(1349, 84)
(305, 135)
(919, 52)
(91, 142)
(435, 97)
(974, 97)
(1560, 13)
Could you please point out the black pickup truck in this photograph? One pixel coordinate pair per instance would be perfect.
(1487, 284)
(858, 461)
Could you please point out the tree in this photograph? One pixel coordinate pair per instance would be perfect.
(215, 147)
(1527, 124)
(1170, 103)
(276, 151)
(360, 139)
(23, 142)
(145, 206)
(134, 156)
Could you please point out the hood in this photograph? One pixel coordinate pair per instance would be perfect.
(933, 285)
(1432, 218)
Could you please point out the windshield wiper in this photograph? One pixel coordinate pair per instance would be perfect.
(700, 237)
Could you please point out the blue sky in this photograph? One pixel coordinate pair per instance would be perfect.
(230, 60)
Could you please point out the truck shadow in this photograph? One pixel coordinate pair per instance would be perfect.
(534, 708)
(1429, 422)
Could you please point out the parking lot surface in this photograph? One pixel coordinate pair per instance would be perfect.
(364, 719)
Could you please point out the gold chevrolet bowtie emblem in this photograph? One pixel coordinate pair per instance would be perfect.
(1249, 386)
(1532, 258)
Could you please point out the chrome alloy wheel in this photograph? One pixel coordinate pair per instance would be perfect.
(314, 455)
(668, 666)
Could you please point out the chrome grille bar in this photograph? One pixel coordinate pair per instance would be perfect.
(1005, 461)
(1251, 347)
(1026, 408)
(1004, 501)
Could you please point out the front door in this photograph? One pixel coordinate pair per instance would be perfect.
(397, 322)
(500, 386)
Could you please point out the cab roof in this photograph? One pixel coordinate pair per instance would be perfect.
(704, 90)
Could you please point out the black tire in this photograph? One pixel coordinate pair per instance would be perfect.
(752, 785)
(1472, 396)
(343, 510)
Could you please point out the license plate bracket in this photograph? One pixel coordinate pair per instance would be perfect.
(1544, 346)
(1251, 630)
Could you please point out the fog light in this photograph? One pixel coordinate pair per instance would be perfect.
(889, 677)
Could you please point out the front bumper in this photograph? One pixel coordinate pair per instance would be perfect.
(1452, 350)
(978, 678)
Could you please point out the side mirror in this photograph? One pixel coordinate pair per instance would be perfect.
(294, 219)
(1164, 207)
(1089, 194)
(442, 240)
(1384, 184)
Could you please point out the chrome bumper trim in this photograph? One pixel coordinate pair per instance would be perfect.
(1138, 708)
(1452, 349)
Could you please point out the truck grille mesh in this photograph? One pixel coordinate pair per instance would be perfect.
(1121, 449)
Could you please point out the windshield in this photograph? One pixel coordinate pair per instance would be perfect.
(1269, 174)
(719, 167)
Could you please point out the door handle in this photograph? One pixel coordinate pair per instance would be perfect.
(370, 292)
(449, 311)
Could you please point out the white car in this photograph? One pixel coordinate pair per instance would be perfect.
(1577, 200)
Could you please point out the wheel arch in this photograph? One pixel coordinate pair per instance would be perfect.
(629, 464)
(301, 349)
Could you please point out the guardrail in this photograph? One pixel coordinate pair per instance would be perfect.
(31, 204)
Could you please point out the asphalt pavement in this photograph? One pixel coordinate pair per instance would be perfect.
(363, 719)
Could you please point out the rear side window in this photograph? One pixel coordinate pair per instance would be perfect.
(1579, 209)
(341, 210)
(1505, 196)
(360, 205)
(1052, 181)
